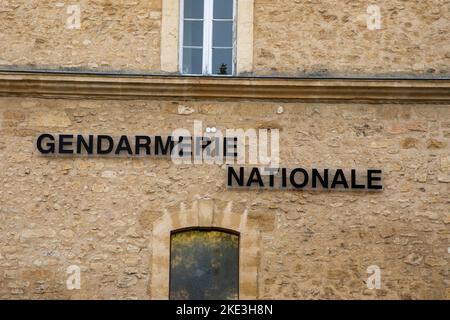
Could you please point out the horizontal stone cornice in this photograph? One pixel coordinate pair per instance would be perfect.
(88, 86)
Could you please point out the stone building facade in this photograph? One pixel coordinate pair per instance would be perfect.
(341, 94)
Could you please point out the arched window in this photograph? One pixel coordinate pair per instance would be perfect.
(204, 265)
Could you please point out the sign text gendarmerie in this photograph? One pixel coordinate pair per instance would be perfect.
(124, 145)
(237, 177)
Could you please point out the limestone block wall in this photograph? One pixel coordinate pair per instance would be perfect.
(109, 35)
(102, 213)
(329, 37)
(290, 38)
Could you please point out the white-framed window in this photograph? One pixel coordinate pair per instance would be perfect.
(207, 37)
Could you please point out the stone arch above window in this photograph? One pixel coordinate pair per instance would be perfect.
(170, 41)
(204, 214)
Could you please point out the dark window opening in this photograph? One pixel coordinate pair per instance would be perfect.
(204, 265)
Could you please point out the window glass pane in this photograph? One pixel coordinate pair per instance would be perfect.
(204, 265)
(222, 33)
(192, 61)
(223, 9)
(193, 9)
(222, 61)
(193, 33)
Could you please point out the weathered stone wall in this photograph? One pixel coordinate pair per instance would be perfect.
(99, 213)
(114, 35)
(291, 38)
(329, 37)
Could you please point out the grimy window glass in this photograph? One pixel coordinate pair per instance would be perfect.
(204, 265)
(193, 36)
(222, 37)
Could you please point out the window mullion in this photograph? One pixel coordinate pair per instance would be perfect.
(234, 36)
(210, 45)
(207, 37)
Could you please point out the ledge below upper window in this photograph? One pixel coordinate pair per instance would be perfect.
(112, 86)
